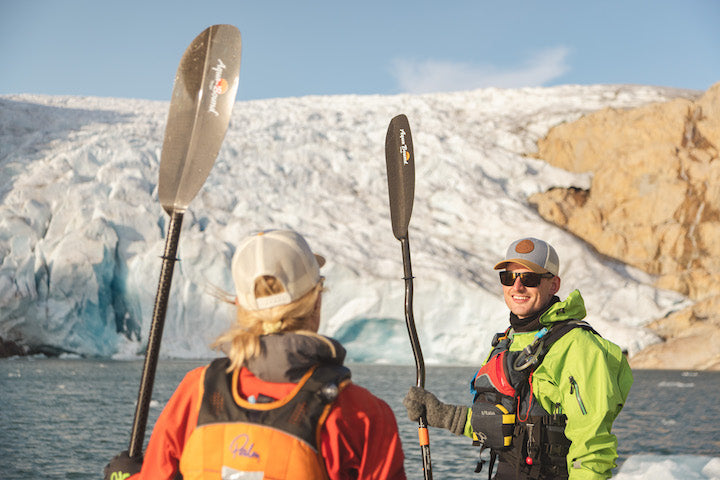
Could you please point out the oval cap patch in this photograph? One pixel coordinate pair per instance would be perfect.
(526, 246)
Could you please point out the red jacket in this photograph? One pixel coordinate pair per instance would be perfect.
(359, 439)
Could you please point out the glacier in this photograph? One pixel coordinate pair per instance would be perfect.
(82, 232)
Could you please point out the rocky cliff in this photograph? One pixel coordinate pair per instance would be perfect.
(654, 203)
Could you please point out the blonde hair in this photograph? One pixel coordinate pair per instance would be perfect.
(242, 341)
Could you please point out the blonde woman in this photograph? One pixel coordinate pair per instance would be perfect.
(281, 404)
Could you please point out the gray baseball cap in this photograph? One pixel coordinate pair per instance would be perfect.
(535, 254)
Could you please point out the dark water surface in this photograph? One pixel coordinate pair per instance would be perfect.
(65, 418)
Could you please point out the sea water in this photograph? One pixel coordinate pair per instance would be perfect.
(65, 418)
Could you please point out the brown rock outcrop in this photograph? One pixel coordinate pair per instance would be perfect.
(692, 339)
(654, 203)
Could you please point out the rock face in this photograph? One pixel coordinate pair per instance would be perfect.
(8, 348)
(654, 203)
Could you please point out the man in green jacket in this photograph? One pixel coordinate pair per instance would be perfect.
(551, 387)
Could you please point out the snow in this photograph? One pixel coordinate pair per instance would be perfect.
(82, 232)
(669, 467)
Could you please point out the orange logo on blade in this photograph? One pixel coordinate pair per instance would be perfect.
(221, 86)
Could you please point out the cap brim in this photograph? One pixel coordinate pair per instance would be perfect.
(525, 263)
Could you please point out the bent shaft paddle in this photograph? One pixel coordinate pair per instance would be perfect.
(202, 99)
(400, 160)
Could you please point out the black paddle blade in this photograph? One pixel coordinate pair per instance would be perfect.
(400, 160)
(203, 96)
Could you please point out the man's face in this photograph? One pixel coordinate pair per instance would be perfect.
(526, 301)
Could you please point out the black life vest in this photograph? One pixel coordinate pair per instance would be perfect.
(506, 416)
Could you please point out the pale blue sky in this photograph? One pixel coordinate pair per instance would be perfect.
(131, 48)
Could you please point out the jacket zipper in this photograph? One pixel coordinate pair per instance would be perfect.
(574, 388)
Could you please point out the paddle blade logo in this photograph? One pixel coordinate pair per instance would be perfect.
(221, 86)
(403, 148)
(218, 86)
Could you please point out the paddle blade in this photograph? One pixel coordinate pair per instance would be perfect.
(203, 96)
(400, 160)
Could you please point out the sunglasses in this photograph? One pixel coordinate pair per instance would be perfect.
(528, 279)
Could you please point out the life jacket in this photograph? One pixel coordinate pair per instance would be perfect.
(506, 416)
(272, 440)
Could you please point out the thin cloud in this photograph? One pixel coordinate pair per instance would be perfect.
(430, 76)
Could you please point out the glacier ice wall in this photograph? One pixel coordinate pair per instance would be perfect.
(82, 232)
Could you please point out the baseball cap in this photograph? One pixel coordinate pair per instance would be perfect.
(537, 255)
(283, 254)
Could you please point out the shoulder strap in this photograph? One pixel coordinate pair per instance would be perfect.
(558, 330)
(500, 336)
(299, 416)
(561, 328)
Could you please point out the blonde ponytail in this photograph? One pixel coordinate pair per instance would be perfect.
(242, 341)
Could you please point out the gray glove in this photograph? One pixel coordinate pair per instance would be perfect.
(419, 401)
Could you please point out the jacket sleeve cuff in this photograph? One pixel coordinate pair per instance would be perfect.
(468, 431)
(577, 472)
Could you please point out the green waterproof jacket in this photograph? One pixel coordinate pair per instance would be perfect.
(589, 377)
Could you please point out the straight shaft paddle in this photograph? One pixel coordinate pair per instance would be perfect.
(400, 159)
(202, 99)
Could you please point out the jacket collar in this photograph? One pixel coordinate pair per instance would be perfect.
(572, 308)
(285, 357)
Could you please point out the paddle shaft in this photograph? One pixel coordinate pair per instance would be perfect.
(423, 434)
(137, 436)
(409, 319)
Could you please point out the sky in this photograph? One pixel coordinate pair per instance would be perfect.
(131, 48)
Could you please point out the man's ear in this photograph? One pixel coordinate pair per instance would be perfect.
(555, 285)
